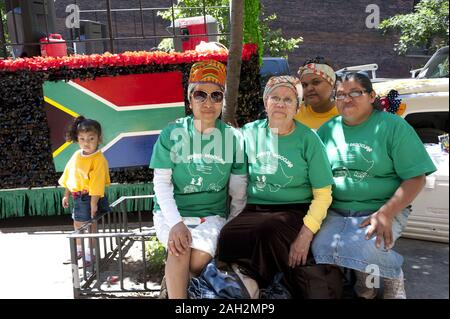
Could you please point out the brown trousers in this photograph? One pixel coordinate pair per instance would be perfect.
(259, 240)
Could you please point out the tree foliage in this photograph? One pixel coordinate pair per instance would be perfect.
(219, 9)
(273, 42)
(426, 27)
(3, 16)
(252, 29)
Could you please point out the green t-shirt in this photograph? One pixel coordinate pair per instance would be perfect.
(284, 169)
(201, 165)
(370, 160)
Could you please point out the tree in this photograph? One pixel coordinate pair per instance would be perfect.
(426, 27)
(273, 42)
(3, 36)
(234, 62)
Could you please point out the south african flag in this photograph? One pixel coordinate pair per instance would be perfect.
(132, 110)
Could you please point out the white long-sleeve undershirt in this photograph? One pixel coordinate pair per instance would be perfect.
(163, 187)
(238, 192)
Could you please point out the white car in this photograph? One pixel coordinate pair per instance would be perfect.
(425, 106)
(424, 96)
(426, 102)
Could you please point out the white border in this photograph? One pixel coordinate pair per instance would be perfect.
(124, 108)
(128, 134)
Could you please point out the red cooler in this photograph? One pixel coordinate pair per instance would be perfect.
(56, 48)
(188, 27)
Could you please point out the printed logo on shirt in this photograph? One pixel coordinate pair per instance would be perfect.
(201, 175)
(272, 164)
(353, 162)
(213, 147)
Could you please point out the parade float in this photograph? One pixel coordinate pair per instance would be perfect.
(133, 95)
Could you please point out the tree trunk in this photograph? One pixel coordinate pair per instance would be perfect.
(234, 62)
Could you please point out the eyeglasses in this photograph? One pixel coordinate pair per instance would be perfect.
(353, 94)
(201, 96)
(286, 101)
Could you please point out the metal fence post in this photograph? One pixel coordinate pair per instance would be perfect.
(74, 264)
(110, 27)
(92, 277)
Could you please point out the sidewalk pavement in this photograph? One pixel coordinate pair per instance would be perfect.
(31, 265)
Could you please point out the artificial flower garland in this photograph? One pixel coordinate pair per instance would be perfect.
(118, 60)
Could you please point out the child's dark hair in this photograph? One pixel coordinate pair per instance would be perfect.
(318, 60)
(82, 124)
(363, 80)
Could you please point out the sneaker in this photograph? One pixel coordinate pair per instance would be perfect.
(361, 289)
(394, 288)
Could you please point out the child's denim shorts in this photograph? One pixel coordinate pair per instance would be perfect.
(340, 241)
(82, 208)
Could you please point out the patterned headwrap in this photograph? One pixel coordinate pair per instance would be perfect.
(208, 72)
(323, 70)
(288, 81)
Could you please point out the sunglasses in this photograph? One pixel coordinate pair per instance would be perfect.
(201, 96)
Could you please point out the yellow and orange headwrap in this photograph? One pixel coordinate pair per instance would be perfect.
(208, 72)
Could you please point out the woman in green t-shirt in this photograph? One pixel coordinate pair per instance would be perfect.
(194, 159)
(288, 193)
(379, 166)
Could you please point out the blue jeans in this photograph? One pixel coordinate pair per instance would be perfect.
(82, 208)
(340, 241)
(214, 283)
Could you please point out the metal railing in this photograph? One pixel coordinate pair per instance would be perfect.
(111, 23)
(106, 239)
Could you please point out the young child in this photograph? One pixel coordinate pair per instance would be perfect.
(85, 176)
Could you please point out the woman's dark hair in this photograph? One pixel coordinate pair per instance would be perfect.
(82, 124)
(318, 60)
(363, 80)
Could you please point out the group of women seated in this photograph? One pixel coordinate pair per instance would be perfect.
(326, 178)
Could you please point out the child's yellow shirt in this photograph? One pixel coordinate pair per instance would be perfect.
(314, 120)
(86, 173)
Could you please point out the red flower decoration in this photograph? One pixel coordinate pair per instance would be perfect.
(385, 103)
(124, 59)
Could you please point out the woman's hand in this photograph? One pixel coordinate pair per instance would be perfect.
(180, 239)
(300, 247)
(381, 225)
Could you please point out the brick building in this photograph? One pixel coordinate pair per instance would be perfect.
(334, 29)
(337, 30)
